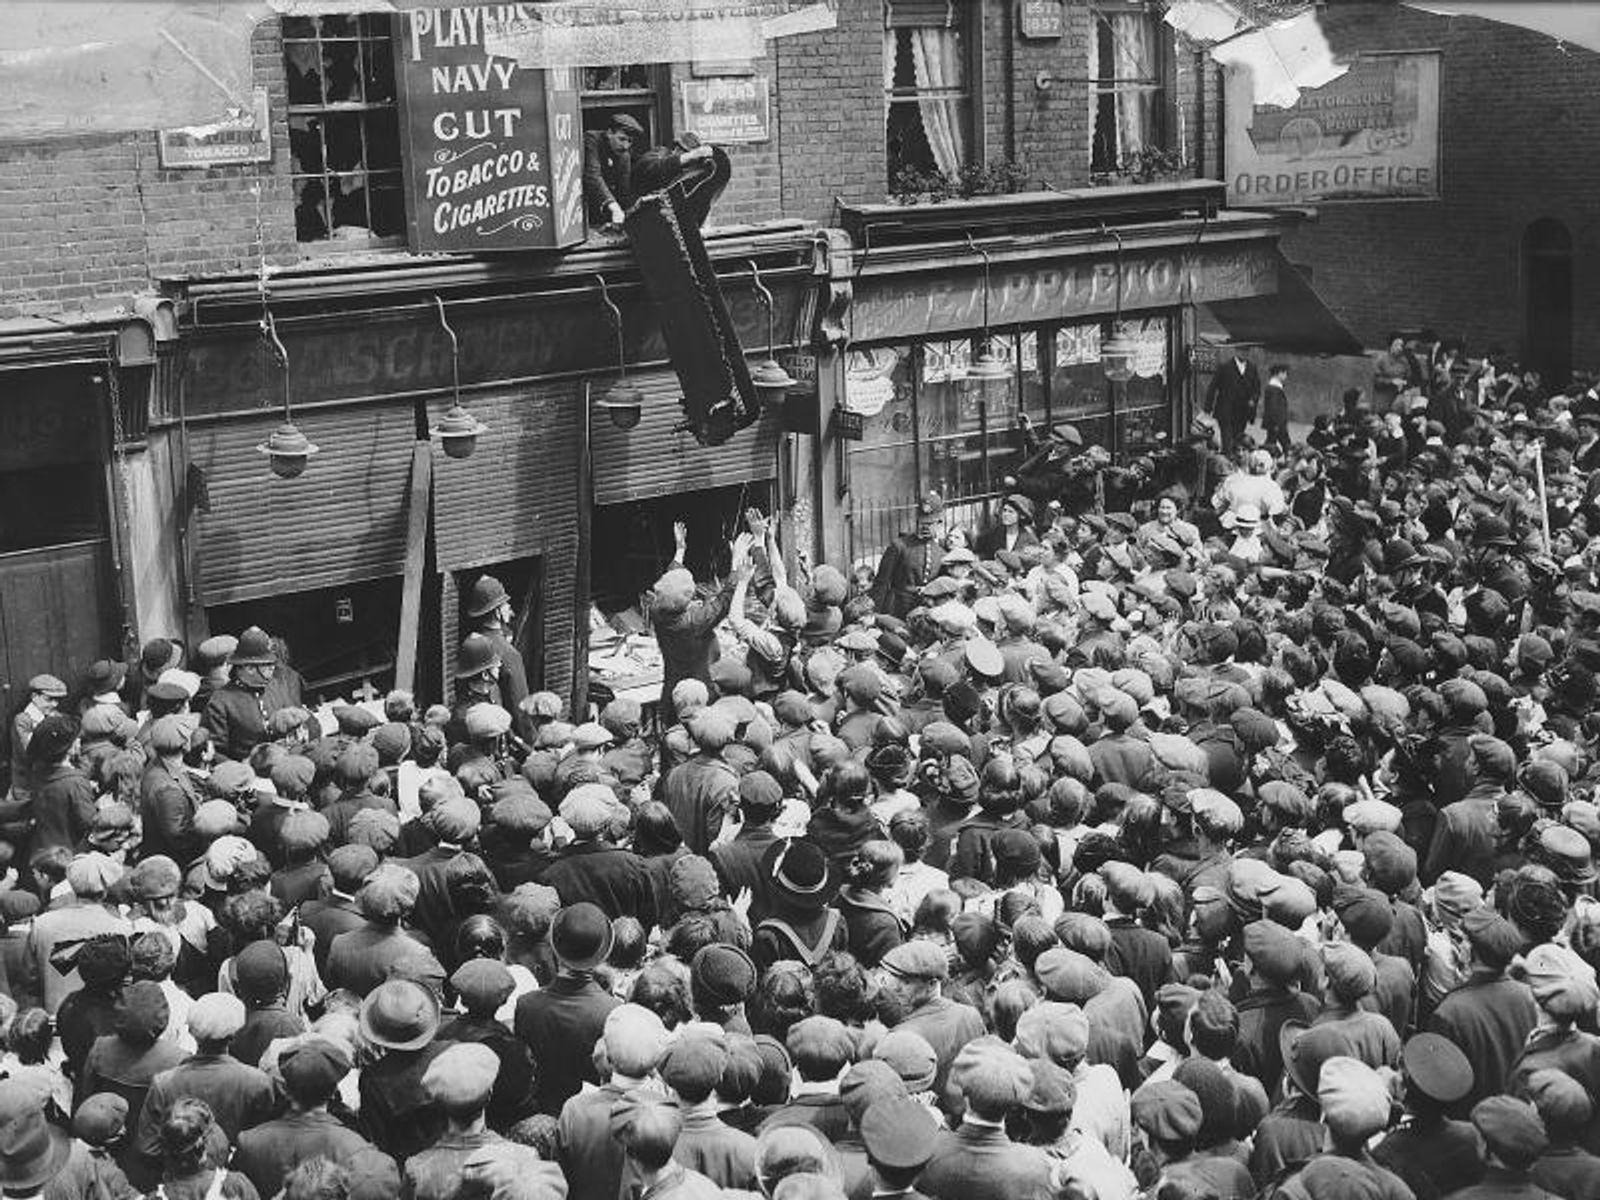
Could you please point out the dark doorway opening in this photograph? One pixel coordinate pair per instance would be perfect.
(1547, 301)
(524, 579)
(340, 639)
(633, 542)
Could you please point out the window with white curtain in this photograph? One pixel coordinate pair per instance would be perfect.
(1128, 89)
(927, 81)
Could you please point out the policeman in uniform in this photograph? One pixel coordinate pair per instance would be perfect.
(910, 561)
(489, 612)
(236, 715)
(477, 682)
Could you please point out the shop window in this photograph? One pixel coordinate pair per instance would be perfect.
(344, 129)
(1128, 89)
(636, 89)
(929, 49)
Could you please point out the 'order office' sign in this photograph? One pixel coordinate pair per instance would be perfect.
(1371, 134)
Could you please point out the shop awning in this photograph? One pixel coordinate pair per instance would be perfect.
(1295, 319)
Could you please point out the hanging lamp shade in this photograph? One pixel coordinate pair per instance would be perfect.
(623, 404)
(288, 450)
(1116, 356)
(988, 367)
(771, 381)
(458, 431)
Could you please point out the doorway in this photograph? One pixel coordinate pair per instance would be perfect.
(1547, 301)
(59, 609)
(524, 580)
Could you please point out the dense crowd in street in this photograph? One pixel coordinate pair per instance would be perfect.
(1239, 847)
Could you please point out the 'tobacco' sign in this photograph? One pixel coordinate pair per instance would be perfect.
(494, 151)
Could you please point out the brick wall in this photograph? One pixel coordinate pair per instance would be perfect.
(91, 220)
(1050, 126)
(831, 113)
(1520, 139)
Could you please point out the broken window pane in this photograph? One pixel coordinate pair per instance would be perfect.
(303, 67)
(305, 145)
(343, 134)
(383, 141)
(341, 71)
(310, 212)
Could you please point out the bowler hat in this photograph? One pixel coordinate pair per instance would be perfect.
(581, 936)
(487, 595)
(254, 649)
(800, 873)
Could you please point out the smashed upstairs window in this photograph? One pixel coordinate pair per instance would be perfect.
(344, 129)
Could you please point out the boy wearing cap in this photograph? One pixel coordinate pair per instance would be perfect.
(459, 1080)
(631, 1044)
(979, 1161)
(900, 1137)
(310, 1069)
(169, 795)
(483, 985)
(239, 1095)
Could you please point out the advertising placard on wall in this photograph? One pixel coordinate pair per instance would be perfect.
(728, 109)
(244, 138)
(1371, 134)
(494, 150)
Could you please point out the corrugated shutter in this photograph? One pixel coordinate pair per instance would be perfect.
(651, 460)
(516, 497)
(343, 521)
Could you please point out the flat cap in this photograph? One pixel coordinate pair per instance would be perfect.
(917, 959)
(483, 984)
(1354, 1098)
(216, 1016)
(461, 1076)
(1167, 1111)
(990, 1075)
(1511, 1129)
(899, 1133)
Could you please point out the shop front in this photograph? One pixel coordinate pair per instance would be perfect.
(72, 402)
(361, 563)
(1088, 320)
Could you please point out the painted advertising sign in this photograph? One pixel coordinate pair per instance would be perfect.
(728, 109)
(595, 33)
(243, 137)
(1371, 134)
(494, 150)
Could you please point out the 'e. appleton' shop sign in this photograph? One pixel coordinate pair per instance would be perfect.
(494, 150)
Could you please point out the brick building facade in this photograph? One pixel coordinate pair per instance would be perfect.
(1520, 146)
(132, 291)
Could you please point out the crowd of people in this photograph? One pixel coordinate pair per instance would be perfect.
(1241, 847)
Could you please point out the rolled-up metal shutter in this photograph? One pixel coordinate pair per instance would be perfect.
(343, 521)
(651, 460)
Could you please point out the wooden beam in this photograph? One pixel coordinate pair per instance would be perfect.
(418, 508)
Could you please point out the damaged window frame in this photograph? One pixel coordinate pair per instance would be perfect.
(375, 114)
